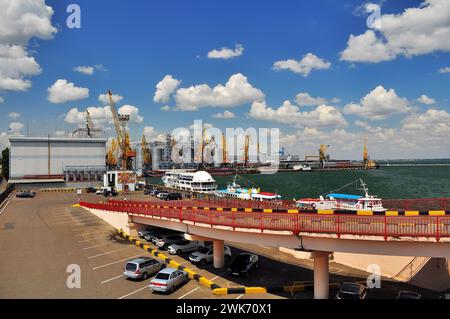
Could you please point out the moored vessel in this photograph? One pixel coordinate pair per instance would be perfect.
(344, 202)
(196, 182)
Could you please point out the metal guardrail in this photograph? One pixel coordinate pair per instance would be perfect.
(436, 227)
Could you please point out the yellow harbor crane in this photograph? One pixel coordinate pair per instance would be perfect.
(323, 158)
(123, 138)
(246, 149)
(111, 156)
(367, 162)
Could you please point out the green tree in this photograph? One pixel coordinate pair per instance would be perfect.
(5, 163)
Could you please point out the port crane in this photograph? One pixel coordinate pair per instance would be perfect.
(89, 124)
(323, 157)
(111, 157)
(246, 149)
(123, 138)
(367, 162)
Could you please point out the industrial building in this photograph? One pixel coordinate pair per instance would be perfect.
(57, 159)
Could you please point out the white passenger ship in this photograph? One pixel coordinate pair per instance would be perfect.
(235, 190)
(197, 182)
(345, 202)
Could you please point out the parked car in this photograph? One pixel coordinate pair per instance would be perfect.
(146, 231)
(171, 196)
(91, 189)
(205, 255)
(155, 191)
(148, 191)
(243, 264)
(161, 193)
(168, 240)
(167, 280)
(110, 193)
(142, 268)
(102, 190)
(352, 290)
(25, 194)
(152, 235)
(408, 295)
(184, 245)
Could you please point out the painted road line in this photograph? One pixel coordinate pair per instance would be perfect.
(107, 253)
(240, 296)
(86, 248)
(133, 292)
(83, 241)
(6, 203)
(111, 279)
(188, 293)
(218, 276)
(87, 226)
(87, 234)
(115, 262)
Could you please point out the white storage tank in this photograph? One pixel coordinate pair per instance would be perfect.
(156, 154)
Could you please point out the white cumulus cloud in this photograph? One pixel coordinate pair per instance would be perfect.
(306, 99)
(14, 115)
(16, 128)
(165, 88)
(226, 53)
(21, 20)
(378, 104)
(102, 116)
(104, 98)
(224, 115)
(287, 113)
(87, 70)
(426, 100)
(415, 31)
(237, 91)
(62, 91)
(444, 70)
(308, 63)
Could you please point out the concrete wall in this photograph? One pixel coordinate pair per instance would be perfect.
(117, 220)
(30, 156)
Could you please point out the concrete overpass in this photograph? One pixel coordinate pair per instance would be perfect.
(407, 233)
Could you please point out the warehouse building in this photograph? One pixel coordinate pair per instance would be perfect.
(57, 159)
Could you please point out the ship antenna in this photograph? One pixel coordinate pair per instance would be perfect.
(363, 185)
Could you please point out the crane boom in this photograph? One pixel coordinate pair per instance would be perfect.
(116, 119)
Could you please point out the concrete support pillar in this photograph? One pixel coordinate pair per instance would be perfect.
(219, 257)
(132, 228)
(321, 274)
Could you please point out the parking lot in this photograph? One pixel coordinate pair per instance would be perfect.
(41, 237)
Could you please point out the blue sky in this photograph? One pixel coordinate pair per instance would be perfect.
(140, 42)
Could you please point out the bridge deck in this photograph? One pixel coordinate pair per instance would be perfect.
(408, 227)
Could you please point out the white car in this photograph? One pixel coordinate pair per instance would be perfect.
(185, 245)
(160, 194)
(205, 255)
(103, 189)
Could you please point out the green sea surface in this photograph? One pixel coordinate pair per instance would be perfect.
(386, 182)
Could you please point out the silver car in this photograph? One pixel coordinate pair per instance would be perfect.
(142, 268)
(167, 280)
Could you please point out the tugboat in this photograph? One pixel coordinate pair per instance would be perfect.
(344, 202)
(234, 190)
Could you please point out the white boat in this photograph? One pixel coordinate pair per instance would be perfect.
(300, 167)
(197, 182)
(344, 202)
(235, 190)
